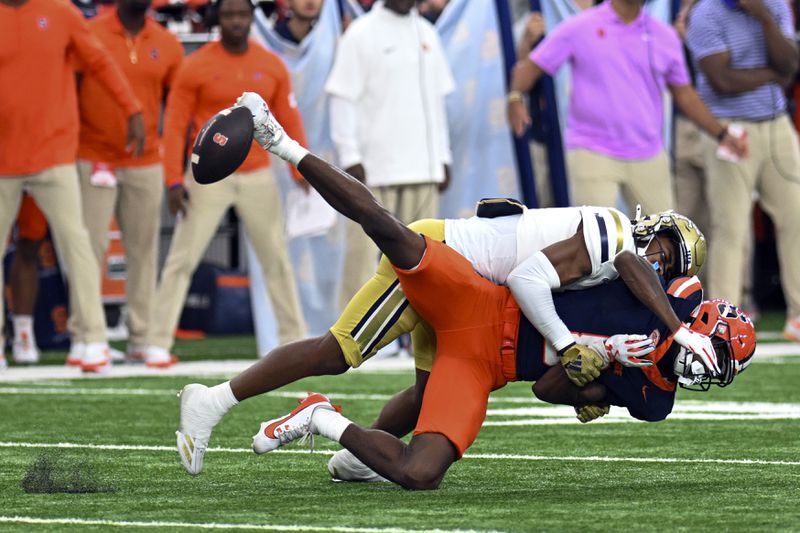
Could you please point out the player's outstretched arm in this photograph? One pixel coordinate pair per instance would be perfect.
(555, 387)
(643, 282)
(343, 192)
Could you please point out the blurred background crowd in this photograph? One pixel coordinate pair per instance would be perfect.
(668, 104)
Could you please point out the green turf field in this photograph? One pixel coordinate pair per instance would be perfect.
(728, 460)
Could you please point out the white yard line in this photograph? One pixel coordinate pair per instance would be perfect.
(212, 525)
(485, 456)
(766, 352)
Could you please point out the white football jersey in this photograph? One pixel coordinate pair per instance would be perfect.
(495, 246)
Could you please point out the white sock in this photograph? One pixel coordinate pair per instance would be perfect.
(329, 424)
(23, 324)
(289, 150)
(222, 397)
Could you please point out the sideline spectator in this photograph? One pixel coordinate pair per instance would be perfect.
(303, 14)
(690, 184)
(745, 55)
(209, 80)
(113, 182)
(40, 139)
(531, 32)
(389, 122)
(23, 279)
(621, 59)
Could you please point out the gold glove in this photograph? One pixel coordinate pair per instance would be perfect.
(582, 364)
(587, 413)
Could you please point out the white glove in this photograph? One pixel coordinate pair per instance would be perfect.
(629, 350)
(699, 344)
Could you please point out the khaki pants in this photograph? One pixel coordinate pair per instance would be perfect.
(256, 198)
(408, 203)
(57, 192)
(597, 179)
(541, 168)
(773, 172)
(136, 200)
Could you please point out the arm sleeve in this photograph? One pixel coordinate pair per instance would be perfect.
(344, 131)
(607, 233)
(348, 75)
(532, 284)
(556, 48)
(284, 105)
(783, 18)
(677, 73)
(703, 37)
(181, 104)
(172, 71)
(94, 59)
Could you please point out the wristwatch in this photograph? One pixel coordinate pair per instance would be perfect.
(721, 135)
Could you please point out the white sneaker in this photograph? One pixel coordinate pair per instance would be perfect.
(97, 358)
(3, 362)
(24, 350)
(198, 418)
(275, 433)
(344, 466)
(157, 357)
(791, 332)
(76, 352)
(266, 130)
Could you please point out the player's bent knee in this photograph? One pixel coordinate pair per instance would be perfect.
(421, 477)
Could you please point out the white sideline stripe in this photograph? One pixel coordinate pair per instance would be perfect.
(213, 525)
(490, 456)
(765, 352)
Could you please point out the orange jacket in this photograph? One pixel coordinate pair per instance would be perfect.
(210, 80)
(149, 61)
(39, 111)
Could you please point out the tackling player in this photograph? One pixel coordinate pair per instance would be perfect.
(580, 247)
(477, 328)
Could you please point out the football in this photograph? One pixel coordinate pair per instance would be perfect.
(222, 145)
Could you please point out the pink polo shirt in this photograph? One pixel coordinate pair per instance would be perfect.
(619, 73)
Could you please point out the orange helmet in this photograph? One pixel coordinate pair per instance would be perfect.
(732, 335)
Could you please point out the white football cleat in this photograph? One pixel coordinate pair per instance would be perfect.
(344, 466)
(198, 418)
(3, 362)
(97, 358)
(275, 433)
(76, 352)
(24, 350)
(156, 357)
(267, 131)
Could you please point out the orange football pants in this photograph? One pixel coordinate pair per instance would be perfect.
(476, 324)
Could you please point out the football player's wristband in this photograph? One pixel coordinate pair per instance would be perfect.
(175, 186)
(563, 350)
